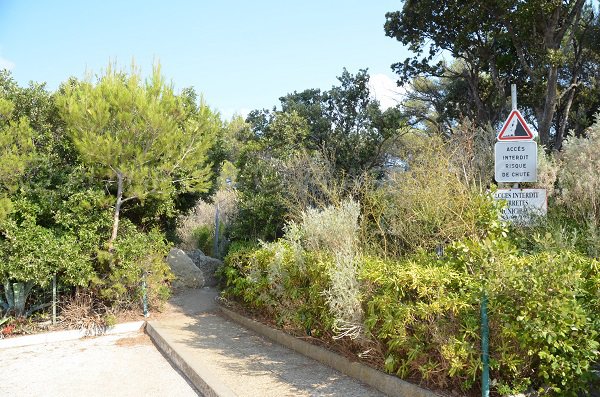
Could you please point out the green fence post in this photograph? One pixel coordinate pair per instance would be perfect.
(144, 295)
(54, 299)
(485, 348)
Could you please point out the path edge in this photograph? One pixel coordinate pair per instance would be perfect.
(388, 384)
(204, 382)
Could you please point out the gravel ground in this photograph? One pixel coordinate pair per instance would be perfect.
(112, 365)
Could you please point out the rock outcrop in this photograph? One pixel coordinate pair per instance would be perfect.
(187, 273)
(207, 265)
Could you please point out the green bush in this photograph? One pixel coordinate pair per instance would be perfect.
(204, 237)
(136, 256)
(424, 313)
(545, 328)
(544, 332)
(31, 254)
(274, 280)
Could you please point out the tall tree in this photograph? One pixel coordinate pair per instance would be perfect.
(138, 137)
(345, 122)
(532, 43)
(341, 133)
(36, 241)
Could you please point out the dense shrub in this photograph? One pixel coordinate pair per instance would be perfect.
(579, 176)
(421, 312)
(324, 240)
(543, 330)
(279, 281)
(197, 228)
(137, 256)
(427, 206)
(424, 314)
(31, 254)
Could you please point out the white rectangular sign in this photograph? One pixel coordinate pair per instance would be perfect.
(522, 204)
(516, 161)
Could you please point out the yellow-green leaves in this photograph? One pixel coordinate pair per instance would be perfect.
(16, 146)
(122, 124)
(138, 137)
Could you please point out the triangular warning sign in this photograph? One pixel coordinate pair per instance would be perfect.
(515, 128)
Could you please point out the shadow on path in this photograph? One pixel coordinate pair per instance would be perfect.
(248, 364)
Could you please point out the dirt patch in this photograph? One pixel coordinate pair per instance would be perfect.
(141, 339)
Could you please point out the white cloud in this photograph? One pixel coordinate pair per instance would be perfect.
(385, 90)
(6, 64)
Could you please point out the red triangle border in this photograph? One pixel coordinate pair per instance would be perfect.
(516, 113)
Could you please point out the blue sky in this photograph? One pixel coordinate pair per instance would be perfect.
(241, 55)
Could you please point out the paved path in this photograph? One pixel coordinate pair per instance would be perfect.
(232, 361)
(123, 365)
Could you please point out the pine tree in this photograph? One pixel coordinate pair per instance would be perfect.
(138, 137)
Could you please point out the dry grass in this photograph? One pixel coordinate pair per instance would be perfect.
(83, 312)
(203, 214)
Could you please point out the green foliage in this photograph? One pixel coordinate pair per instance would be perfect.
(261, 203)
(139, 136)
(136, 256)
(279, 281)
(543, 320)
(16, 145)
(579, 179)
(30, 254)
(343, 127)
(345, 123)
(204, 236)
(121, 124)
(16, 153)
(55, 212)
(310, 273)
(85, 214)
(496, 43)
(425, 314)
(424, 207)
(422, 310)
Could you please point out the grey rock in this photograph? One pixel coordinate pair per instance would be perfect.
(188, 275)
(207, 264)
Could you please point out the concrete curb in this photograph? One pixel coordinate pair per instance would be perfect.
(387, 384)
(204, 381)
(59, 336)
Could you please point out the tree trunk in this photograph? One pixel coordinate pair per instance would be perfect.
(473, 80)
(554, 34)
(562, 127)
(117, 213)
(549, 106)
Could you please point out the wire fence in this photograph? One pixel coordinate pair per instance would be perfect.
(46, 303)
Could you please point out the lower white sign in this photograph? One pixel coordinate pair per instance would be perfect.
(516, 161)
(522, 204)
